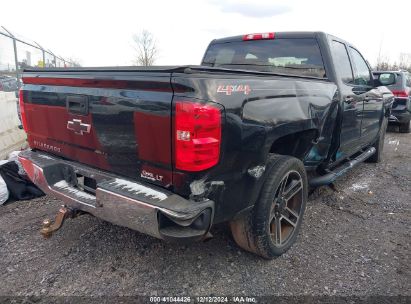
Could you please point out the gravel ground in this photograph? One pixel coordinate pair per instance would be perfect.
(355, 241)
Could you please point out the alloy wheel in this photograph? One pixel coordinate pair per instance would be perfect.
(286, 208)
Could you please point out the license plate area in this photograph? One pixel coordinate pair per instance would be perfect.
(86, 184)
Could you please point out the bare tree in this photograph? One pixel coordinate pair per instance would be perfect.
(384, 64)
(75, 62)
(146, 48)
(405, 61)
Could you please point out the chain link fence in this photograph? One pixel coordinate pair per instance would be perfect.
(17, 54)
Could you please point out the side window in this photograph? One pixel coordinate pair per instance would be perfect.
(342, 62)
(362, 75)
(408, 80)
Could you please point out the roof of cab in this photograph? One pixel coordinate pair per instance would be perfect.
(278, 35)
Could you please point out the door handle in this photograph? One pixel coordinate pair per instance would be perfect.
(349, 99)
(370, 98)
(77, 104)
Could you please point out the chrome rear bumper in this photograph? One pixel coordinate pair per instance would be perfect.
(139, 206)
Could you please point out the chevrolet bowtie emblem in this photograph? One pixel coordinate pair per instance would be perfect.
(78, 127)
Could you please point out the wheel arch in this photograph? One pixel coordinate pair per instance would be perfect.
(296, 144)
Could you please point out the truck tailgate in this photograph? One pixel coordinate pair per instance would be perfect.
(113, 120)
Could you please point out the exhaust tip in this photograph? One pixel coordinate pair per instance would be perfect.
(193, 229)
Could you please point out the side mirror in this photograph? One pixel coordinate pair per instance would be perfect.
(386, 79)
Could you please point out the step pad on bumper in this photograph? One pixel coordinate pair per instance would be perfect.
(63, 187)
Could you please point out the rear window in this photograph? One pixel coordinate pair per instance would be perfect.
(300, 57)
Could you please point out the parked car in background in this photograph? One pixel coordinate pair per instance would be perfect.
(401, 108)
(8, 83)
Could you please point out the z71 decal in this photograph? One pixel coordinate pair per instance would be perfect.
(228, 89)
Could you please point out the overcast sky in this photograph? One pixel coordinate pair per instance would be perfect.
(99, 33)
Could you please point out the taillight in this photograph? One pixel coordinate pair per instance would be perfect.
(258, 36)
(197, 135)
(22, 110)
(400, 93)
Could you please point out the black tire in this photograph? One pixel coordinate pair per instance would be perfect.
(257, 230)
(405, 127)
(379, 144)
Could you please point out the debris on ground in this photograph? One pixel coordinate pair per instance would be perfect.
(14, 183)
(351, 244)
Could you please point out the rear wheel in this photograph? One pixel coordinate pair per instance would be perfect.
(271, 228)
(405, 127)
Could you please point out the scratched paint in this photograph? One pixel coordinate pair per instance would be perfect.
(44, 156)
(137, 189)
(257, 171)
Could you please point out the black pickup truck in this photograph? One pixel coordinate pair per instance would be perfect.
(171, 151)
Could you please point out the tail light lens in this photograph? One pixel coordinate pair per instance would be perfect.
(22, 110)
(197, 136)
(259, 36)
(400, 93)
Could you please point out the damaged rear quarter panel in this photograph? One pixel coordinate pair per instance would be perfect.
(270, 108)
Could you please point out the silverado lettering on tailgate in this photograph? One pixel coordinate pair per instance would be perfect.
(45, 146)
